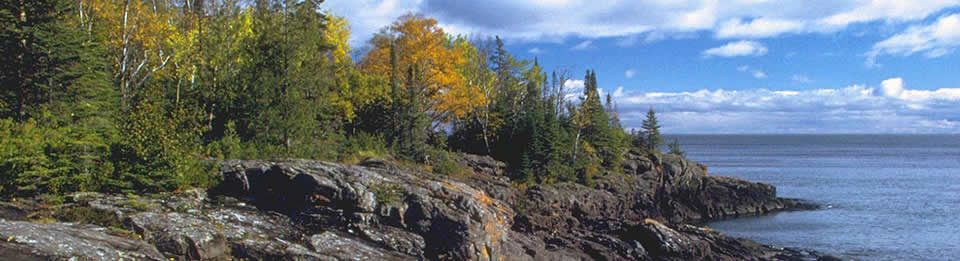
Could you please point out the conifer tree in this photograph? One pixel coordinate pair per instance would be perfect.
(675, 148)
(651, 131)
(412, 125)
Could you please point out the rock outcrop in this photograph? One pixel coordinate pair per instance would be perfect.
(377, 210)
(68, 241)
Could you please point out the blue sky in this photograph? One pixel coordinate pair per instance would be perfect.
(736, 66)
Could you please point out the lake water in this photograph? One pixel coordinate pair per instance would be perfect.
(889, 197)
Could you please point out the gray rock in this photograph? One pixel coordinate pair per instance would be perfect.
(68, 241)
(346, 248)
(454, 220)
(181, 235)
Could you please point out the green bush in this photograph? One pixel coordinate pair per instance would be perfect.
(361, 146)
(386, 193)
(445, 163)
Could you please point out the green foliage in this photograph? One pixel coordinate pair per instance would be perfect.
(410, 129)
(675, 148)
(651, 132)
(88, 215)
(445, 163)
(385, 193)
(89, 103)
(361, 146)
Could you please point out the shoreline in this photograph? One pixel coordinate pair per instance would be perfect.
(299, 208)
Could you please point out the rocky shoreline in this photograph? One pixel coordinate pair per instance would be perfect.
(377, 210)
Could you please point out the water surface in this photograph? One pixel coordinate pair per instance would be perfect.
(890, 197)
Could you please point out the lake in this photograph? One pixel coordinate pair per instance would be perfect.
(886, 197)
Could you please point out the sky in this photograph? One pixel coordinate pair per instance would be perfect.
(734, 66)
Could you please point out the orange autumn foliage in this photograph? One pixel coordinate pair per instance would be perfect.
(421, 44)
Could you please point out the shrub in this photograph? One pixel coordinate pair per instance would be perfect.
(386, 193)
(445, 163)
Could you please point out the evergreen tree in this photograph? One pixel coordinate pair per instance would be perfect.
(651, 132)
(412, 124)
(55, 83)
(675, 148)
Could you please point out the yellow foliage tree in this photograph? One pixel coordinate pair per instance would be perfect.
(422, 45)
(140, 36)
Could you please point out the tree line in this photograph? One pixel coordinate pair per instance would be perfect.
(144, 95)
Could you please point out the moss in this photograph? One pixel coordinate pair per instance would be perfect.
(88, 215)
(136, 203)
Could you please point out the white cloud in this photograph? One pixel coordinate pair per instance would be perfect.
(892, 87)
(542, 20)
(758, 28)
(853, 109)
(630, 73)
(739, 48)
(582, 45)
(759, 74)
(933, 40)
(619, 92)
(799, 78)
(536, 50)
(572, 89)
(366, 17)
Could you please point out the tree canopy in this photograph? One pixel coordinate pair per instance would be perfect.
(143, 96)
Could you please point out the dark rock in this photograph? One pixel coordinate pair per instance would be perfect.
(67, 241)
(454, 220)
(13, 211)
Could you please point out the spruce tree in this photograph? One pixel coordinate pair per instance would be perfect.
(411, 122)
(651, 131)
(675, 148)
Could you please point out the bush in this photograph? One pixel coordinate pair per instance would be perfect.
(386, 193)
(362, 146)
(445, 163)
(38, 160)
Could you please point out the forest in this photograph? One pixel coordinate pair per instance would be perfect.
(144, 96)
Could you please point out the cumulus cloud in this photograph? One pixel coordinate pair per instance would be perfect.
(630, 73)
(542, 19)
(933, 40)
(853, 109)
(582, 45)
(892, 87)
(572, 89)
(739, 48)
